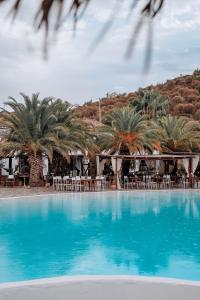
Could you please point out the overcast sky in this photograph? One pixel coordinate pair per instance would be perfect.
(71, 74)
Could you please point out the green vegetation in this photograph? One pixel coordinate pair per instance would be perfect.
(51, 127)
(125, 131)
(181, 94)
(37, 127)
(151, 104)
(177, 134)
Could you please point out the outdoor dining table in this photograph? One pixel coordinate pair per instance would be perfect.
(196, 182)
(92, 183)
(95, 182)
(89, 184)
(86, 182)
(136, 181)
(158, 180)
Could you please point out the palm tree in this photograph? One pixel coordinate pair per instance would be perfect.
(40, 127)
(125, 131)
(159, 105)
(151, 104)
(177, 134)
(77, 131)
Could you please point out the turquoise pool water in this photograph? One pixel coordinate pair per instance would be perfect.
(124, 233)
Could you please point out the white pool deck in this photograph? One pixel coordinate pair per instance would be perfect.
(98, 287)
(20, 192)
(101, 288)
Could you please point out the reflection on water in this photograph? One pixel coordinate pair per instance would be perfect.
(191, 207)
(148, 233)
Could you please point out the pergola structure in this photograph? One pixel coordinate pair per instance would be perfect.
(190, 161)
(76, 162)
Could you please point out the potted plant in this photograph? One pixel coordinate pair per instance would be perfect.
(114, 183)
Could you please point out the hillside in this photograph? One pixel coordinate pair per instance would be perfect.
(182, 92)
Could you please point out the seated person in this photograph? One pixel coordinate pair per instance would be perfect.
(108, 170)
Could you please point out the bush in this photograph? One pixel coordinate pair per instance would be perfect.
(196, 85)
(177, 99)
(197, 115)
(196, 72)
(184, 109)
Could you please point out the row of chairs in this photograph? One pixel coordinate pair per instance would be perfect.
(149, 182)
(78, 183)
(86, 183)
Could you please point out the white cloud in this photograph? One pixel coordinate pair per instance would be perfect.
(180, 16)
(71, 74)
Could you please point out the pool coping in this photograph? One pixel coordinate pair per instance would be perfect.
(100, 279)
(97, 192)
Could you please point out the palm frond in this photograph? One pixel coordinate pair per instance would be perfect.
(76, 8)
(125, 130)
(177, 134)
(46, 125)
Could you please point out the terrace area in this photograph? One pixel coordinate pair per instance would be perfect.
(108, 172)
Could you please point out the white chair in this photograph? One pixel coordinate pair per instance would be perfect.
(185, 182)
(150, 183)
(57, 183)
(167, 183)
(74, 184)
(98, 183)
(129, 184)
(196, 182)
(103, 182)
(163, 183)
(78, 186)
(87, 183)
(106, 183)
(54, 182)
(67, 184)
(142, 183)
(126, 183)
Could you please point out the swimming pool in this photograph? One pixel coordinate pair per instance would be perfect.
(111, 233)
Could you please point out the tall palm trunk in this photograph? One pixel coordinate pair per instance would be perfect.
(36, 165)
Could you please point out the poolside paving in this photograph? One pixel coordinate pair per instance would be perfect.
(6, 192)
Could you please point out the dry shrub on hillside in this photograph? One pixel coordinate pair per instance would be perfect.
(193, 98)
(196, 73)
(188, 80)
(177, 99)
(170, 84)
(182, 92)
(197, 106)
(184, 109)
(196, 84)
(197, 114)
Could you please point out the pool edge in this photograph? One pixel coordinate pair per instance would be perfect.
(101, 279)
